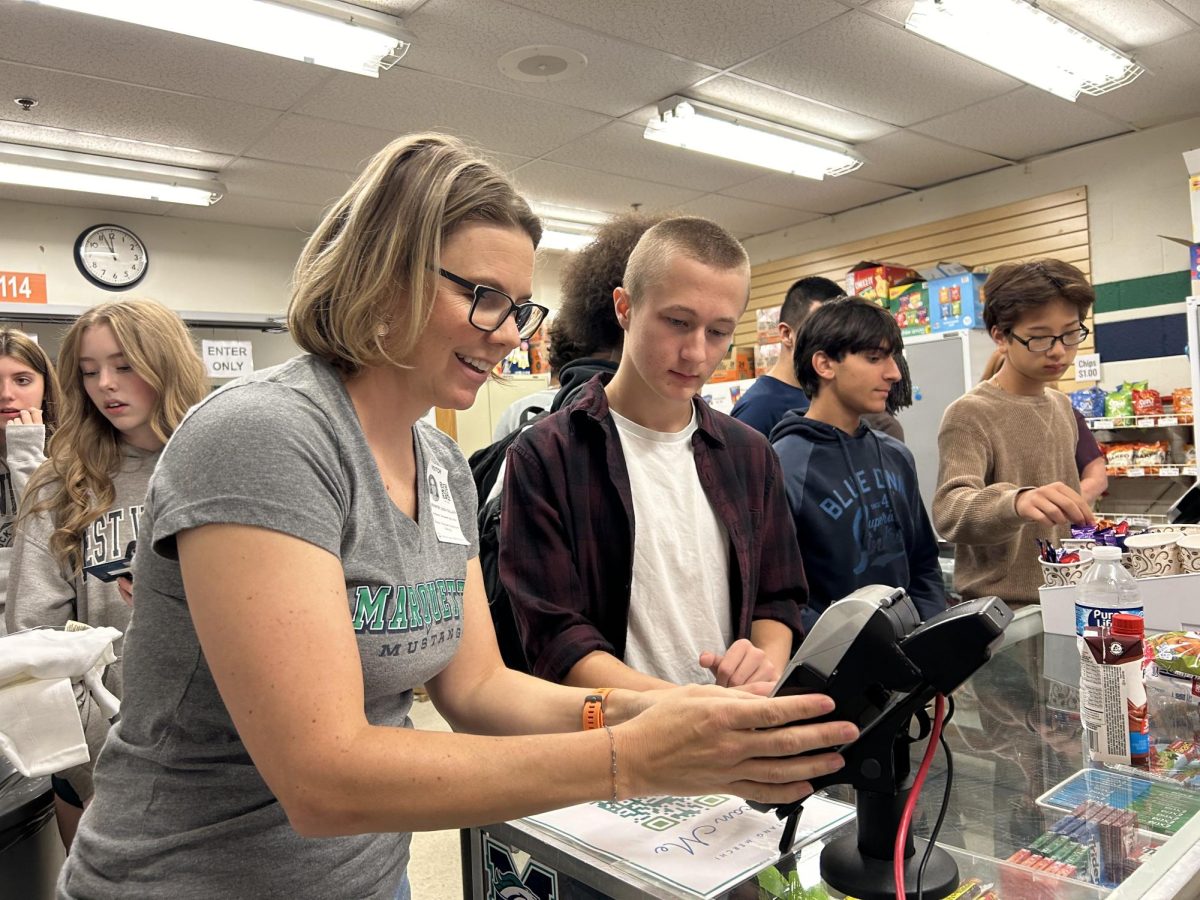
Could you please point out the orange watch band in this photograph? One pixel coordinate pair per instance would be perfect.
(593, 708)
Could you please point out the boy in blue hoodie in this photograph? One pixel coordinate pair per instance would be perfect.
(852, 490)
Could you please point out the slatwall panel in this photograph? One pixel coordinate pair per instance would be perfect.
(1054, 225)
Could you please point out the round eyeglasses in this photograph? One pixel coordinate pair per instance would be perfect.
(490, 307)
(1044, 343)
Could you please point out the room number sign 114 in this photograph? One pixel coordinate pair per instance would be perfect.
(22, 287)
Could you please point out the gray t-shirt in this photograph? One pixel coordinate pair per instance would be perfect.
(180, 809)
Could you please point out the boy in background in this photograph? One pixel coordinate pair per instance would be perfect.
(776, 392)
(852, 490)
(645, 538)
(1007, 474)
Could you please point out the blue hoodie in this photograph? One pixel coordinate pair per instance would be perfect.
(858, 513)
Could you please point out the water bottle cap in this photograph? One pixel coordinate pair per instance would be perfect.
(1126, 623)
(1106, 553)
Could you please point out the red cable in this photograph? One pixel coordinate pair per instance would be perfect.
(939, 712)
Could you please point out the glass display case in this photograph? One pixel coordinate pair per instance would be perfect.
(1015, 737)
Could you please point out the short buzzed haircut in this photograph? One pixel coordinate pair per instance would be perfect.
(699, 239)
(803, 296)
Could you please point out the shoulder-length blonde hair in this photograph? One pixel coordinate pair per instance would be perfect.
(75, 484)
(22, 347)
(365, 283)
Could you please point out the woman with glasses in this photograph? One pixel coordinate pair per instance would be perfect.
(1007, 475)
(308, 554)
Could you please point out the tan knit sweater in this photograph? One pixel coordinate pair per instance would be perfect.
(992, 444)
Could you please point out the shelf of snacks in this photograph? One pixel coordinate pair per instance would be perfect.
(1151, 471)
(1164, 421)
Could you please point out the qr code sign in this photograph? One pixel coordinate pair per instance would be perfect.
(662, 813)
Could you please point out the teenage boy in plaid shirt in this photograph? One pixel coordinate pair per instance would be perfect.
(709, 584)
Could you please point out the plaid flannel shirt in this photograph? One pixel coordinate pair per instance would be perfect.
(567, 530)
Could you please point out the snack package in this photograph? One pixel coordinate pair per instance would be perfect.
(1189, 454)
(1131, 386)
(1119, 454)
(1157, 453)
(1118, 404)
(1147, 402)
(1181, 401)
(1089, 402)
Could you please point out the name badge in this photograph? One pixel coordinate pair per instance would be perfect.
(441, 504)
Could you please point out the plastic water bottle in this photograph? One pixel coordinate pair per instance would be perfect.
(1105, 590)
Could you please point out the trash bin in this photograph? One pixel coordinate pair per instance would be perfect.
(31, 852)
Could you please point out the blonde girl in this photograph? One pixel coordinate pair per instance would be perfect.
(130, 374)
(28, 400)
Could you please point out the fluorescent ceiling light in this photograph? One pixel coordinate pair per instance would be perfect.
(70, 171)
(709, 129)
(568, 228)
(1021, 40)
(323, 32)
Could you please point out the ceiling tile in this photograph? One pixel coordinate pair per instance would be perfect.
(744, 218)
(620, 149)
(93, 45)
(1123, 24)
(570, 186)
(714, 32)
(407, 101)
(104, 145)
(1189, 8)
(297, 217)
(280, 181)
(465, 42)
(104, 107)
(915, 161)
(1165, 92)
(777, 105)
(859, 63)
(832, 195)
(305, 140)
(1046, 123)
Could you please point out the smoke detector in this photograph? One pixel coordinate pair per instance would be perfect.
(542, 62)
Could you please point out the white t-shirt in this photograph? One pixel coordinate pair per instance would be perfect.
(679, 602)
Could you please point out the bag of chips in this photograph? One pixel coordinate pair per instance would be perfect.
(1089, 402)
(1147, 402)
(1119, 454)
(1118, 404)
(1157, 453)
(1181, 401)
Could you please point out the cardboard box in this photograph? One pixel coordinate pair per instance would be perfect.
(737, 366)
(768, 324)
(765, 356)
(909, 306)
(956, 303)
(1169, 601)
(1193, 259)
(874, 280)
(1192, 159)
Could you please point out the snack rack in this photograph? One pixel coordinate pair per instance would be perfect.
(1157, 486)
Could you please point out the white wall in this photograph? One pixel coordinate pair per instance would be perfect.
(1137, 189)
(193, 265)
(199, 266)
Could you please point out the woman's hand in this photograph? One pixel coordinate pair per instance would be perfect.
(28, 417)
(701, 740)
(125, 589)
(742, 664)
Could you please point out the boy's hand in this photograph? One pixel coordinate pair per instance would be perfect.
(742, 664)
(1054, 504)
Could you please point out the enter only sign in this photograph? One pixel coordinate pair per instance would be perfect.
(227, 359)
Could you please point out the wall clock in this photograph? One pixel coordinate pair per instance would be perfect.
(111, 257)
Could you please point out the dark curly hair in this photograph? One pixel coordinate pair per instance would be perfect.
(586, 323)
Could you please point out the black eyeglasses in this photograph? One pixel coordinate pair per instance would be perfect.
(490, 307)
(1045, 343)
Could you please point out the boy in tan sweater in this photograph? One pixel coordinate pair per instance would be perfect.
(1007, 472)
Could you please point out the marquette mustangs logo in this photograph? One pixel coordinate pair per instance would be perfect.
(508, 881)
(427, 614)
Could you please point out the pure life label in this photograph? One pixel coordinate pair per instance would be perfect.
(227, 359)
